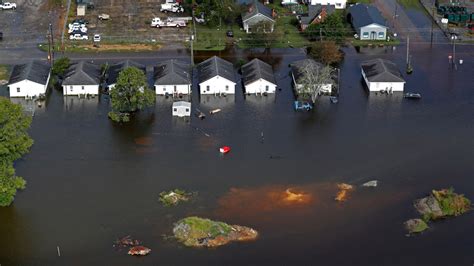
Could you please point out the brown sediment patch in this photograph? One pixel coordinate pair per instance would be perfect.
(144, 141)
(343, 192)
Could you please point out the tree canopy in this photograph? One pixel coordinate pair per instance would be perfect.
(313, 78)
(14, 143)
(217, 12)
(60, 66)
(326, 52)
(130, 94)
(332, 28)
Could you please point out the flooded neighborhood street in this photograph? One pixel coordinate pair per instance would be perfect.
(91, 181)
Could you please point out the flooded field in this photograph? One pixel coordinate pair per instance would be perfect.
(91, 182)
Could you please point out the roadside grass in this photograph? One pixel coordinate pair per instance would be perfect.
(213, 38)
(363, 43)
(110, 47)
(415, 4)
(4, 72)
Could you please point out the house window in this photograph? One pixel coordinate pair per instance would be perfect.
(365, 35)
(187, 110)
(82, 87)
(175, 109)
(226, 87)
(208, 88)
(381, 35)
(17, 89)
(164, 88)
(70, 88)
(175, 88)
(267, 88)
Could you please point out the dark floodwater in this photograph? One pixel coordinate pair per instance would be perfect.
(90, 181)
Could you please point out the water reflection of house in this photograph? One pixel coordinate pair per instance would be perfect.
(114, 71)
(382, 75)
(29, 80)
(82, 78)
(258, 15)
(297, 71)
(216, 76)
(316, 14)
(368, 22)
(173, 77)
(258, 77)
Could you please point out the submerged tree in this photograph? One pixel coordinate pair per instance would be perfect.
(14, 143)
(326, 52)
(313, 78)
(130, 94)
(60, 66)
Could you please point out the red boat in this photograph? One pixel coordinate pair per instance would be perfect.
(224, 149)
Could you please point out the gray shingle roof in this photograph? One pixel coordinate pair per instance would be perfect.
(363, 15)
(255, 70)
(215, 66)
(172, 72)
(257, 8)
(314, 11)
(82, 73)
(297, 65)
(115, 69)
(35, 71)
(381, 70)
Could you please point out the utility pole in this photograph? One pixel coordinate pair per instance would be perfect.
(409, 68)
(454, 37)
(192, 49)
(320, 34)
(52, 42)
(49, 46)
(432, 22)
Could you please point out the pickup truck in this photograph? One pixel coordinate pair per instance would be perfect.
(7, 6)
(169, 22)
(171, 7)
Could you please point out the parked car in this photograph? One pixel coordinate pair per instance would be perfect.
(78, 36)
(96, 37)
(175, 8)
(103, 16)
(7, 6)
(77, 28)
(302, 105)
(170, 22)
(230, 34)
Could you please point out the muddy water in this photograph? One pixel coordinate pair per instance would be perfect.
(90, 181)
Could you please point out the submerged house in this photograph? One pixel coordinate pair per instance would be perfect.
(172, 77)
(29, 80)
(316, 14)
(258, 77)
(382, 75)
(216, 76)
(297, 73)
(181, 109)
(114, 70)
(82, 78)
(258, 18)
(368, 22)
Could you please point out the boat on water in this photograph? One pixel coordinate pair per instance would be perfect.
(412, 95)
(333, 99)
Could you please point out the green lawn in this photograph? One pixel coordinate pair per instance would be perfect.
(214, 38)
(355, 42)
(4, 72)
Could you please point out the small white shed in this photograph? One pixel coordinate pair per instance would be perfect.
(81, 10)
(181, 109)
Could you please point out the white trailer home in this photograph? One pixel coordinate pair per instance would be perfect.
(216, 76)
(258, 77)
(82, 78)
(173, 77)
(29, 80)
(382, 75)
(181, 109)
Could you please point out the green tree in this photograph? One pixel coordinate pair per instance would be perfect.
(327, 52)
(130, 94)
(313, 78)
(14, 143)
(60, 66)
(263, 35)
(332, 28)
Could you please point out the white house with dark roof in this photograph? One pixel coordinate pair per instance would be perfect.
(82, 78)
(216, 76)
(172, 77)
(296, 74)
(368, 22)
(382, 75)
(256, 16)
(29, 80)
(258, 77)
(114, 70)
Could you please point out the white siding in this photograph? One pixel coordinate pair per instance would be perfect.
(217, 85)
(383, 86)
(260, 86)
(373, 32)
(339, 4)
(255, 20)
(28, 88)
(172, 89)
(80, 89)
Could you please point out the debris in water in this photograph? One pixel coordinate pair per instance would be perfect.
(200, 114)
(343, 190)
(126, 241)
(415, 226)
(215, 111)
(372, 183)
(173, 197)
(224, 149)
(296, 197)
(139, 251)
